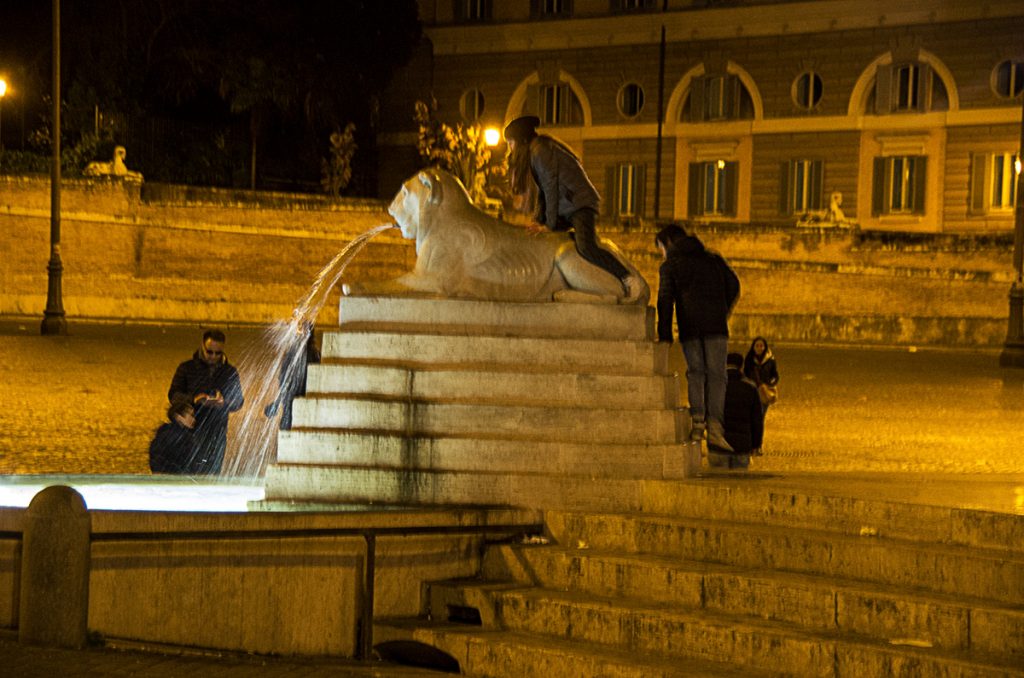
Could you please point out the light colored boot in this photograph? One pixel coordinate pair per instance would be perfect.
(716, 436)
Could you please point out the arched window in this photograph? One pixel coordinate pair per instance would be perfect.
(718, 97)
(472, 105)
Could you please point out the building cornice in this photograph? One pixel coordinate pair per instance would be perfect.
(821, 16)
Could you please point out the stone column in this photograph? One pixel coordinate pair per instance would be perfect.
(54, 591)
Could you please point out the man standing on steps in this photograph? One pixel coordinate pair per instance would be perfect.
(212, 386)
(701, 288)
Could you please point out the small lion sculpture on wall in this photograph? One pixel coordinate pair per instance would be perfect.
(462, 252)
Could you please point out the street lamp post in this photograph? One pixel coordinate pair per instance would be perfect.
(1013, 349)
(53, 317)
(3, 91)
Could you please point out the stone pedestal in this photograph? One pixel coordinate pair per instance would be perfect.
(466, 402)
(55, 562)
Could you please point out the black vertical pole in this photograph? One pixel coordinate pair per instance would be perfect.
(1013, 349)
(661, 118)
(53, 317)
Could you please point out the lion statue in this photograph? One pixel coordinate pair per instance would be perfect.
(462, 252)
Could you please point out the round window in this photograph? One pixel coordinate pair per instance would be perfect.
(631, 100)
(1008, 78)
(807, 90)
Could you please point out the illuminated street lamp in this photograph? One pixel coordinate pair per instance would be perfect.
(3, 91)
(53, 316)
(1013, 349)
(492, 136)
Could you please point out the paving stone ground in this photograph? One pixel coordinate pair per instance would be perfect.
(89, 403)
(949, 422)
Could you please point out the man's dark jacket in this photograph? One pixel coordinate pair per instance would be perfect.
(744, 423)
(211, 430)
(700, 286)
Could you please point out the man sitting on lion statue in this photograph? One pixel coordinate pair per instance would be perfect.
(462, 252)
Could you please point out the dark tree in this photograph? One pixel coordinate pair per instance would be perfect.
(203, 88)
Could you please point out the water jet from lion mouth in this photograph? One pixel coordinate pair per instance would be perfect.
(275, 359)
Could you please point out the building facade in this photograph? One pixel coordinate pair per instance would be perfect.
(892, 116)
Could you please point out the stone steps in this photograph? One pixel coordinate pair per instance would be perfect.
(417, 485)
(466, 317)
(666, 631)
(546, 389)
(440, 351)
(324, 447)
(426, 418)
(820, 604)
(996, 575)
(483, 652)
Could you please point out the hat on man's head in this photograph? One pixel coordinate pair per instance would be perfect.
(522, 128)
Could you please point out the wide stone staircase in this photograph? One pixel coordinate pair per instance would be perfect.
(730, 577)
(451, 402)
(645, 568)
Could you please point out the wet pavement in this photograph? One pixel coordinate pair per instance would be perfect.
(89, 403)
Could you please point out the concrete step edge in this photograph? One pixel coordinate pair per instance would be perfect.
(572, 658)
(997, 628)
(773, 632)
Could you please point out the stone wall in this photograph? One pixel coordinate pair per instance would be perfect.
(173, 254)
(208, 256)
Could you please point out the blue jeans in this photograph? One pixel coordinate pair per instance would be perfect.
(705, 376)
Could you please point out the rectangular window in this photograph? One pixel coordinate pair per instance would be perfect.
(631, 5)
(898, 185)
(713, 188)
(1004, 181)
(629, 189)
(552, 8)
(994, 180)
(472, 10)
(802, 186)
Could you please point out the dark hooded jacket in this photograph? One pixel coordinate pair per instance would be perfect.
(744, 420)
(211, 430)
(700, 287)
(172, 449)
(563, 185)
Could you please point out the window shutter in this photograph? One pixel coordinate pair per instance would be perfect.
(981, 164)
(878, 184)
(817, 184)
(731, 189)
(883, 90)
(920, 183)
(640, 192)
(785, 194)
(697, 99)
(611, 184)
(459, 10)
(565, 112)
(695, 196)
(924, 87)
(532, 105)
(732, 97)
